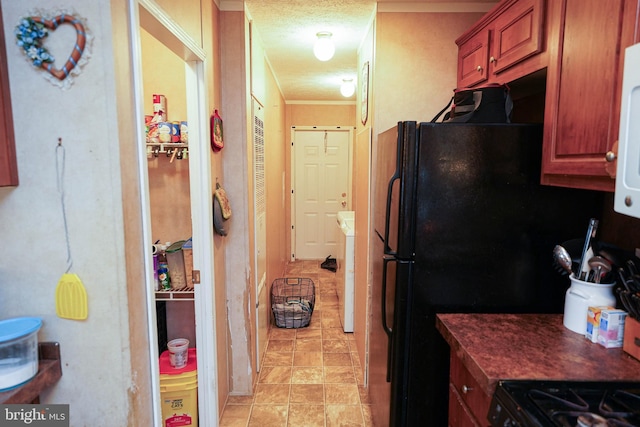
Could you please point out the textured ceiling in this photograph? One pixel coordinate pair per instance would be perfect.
(288, 30)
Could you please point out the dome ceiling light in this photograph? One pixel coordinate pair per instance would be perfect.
(347, 88)
(324, 48)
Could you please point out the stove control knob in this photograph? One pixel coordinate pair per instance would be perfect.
(466, 389)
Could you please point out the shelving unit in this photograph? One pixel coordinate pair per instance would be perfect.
(168, 148)
(184, 294)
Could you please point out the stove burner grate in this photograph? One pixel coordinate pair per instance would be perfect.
(531, 403)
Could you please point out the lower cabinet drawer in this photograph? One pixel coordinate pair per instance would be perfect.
(459, 413)
(469, 392)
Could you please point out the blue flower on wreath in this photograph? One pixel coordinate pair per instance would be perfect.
(29, 33)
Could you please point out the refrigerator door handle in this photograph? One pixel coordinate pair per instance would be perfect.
(387, 329)
(387, 248)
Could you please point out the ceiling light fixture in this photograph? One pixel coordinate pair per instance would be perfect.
(347, 88)
(324, 49)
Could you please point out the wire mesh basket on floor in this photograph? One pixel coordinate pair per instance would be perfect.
(292, 301)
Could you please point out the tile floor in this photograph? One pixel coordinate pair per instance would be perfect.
(309, 376)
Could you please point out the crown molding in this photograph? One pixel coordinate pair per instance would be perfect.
(437, 7)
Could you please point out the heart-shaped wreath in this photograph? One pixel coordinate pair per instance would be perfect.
(34, 29)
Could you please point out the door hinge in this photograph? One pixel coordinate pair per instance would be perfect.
(195, 276)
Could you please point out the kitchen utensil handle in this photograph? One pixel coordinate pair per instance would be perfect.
(591, 233)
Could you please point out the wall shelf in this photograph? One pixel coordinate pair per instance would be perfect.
(177, 150)
(184, 294)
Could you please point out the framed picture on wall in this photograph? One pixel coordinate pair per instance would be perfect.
(364, 107)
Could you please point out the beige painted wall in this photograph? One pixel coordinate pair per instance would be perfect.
(361, 171)
(105, 358)
(415, 64)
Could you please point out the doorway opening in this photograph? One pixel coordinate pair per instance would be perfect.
(321, 187)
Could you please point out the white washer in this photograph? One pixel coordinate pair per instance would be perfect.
(345, 268)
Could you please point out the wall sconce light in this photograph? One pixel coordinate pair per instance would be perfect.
(347, 88)
(324, 48)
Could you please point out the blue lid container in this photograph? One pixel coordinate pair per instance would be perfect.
(18, 351)
(10, 329)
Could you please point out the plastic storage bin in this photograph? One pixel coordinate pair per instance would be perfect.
(179, 392)
(175, 260)
(18, 351)
(292, 302)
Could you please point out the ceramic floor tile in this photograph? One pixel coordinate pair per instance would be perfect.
(275, 375)
(272, 393)
(366, 414)
(304, 375)
(335, 346)
(240, 400)
(282, 333)
(341, 394)
(308, 344)
(339, 374)
(268, 416)
(280, 345)
(331, 323)
(344, 415)
(334, 334)
(309, 333)
(235, 416)
(272, 358)
(337, 359)
(309, 376)
(307, 358)
(364, 394)
(307, 393)
(306, 415)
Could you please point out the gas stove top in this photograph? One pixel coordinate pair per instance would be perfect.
(565, 403)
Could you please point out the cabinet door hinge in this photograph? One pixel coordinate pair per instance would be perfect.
(195, 276)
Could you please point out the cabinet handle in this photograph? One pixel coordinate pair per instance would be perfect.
(610, 156)
(466, 389)
(479, 68)
(492, 59)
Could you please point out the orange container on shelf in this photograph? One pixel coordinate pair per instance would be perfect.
(631, 343)
(179, 392)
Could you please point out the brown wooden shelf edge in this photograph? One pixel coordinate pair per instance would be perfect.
(49, 372)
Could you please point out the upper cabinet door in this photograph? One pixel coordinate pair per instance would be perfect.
(473, 60)
(517, 34)
(8, 166)
(584, 84)
(506, 44)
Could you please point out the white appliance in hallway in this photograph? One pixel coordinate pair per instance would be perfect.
(345, 268)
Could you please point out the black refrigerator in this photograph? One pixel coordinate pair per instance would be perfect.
(461, 224)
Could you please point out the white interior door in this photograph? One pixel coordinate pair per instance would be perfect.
(321, 183)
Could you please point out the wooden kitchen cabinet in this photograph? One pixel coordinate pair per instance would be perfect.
(504, 45)
(8, 165)
(468, 403)
(584, 84)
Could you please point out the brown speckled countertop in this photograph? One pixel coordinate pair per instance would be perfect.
(530, 346)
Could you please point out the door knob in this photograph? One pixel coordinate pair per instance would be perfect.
(344, 204)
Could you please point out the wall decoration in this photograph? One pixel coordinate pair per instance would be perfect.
(35, 28)
(364, 107)
(217, 142)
